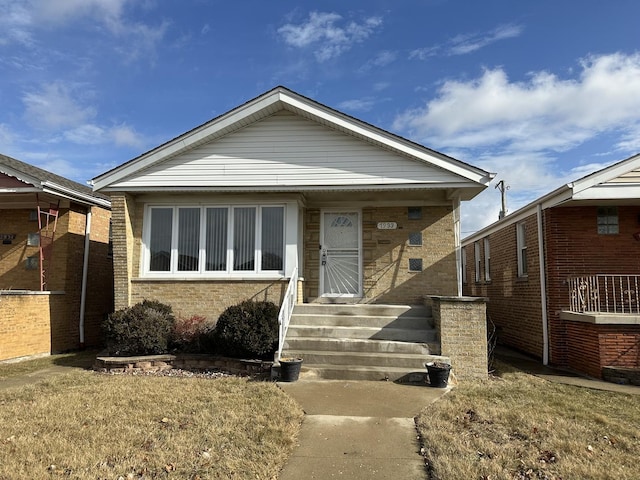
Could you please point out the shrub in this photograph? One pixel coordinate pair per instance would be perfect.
(248, 330)
(191, 335)
(143, 329)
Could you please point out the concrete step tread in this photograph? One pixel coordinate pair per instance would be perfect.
(302, 353)
(304, 315)
(359, 327)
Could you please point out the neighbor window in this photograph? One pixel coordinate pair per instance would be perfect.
(521, 241)
(215, 239)
(608, 220)
(477, 260)
(487, 260)
(463, 261)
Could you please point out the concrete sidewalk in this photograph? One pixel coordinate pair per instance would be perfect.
(358, 430)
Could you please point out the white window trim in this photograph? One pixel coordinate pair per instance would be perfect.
(229, 273)
(477, 261)
(487, 260)
(521, 245)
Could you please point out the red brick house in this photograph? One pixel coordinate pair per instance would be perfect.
(56, 270)
(562, 274)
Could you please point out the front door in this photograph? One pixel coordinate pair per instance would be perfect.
(340, 265)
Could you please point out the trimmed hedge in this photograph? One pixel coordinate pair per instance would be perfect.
(248, 330)
(143, 329)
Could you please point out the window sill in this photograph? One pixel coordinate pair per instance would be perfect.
(229, 278)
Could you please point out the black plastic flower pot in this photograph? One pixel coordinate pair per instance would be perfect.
(438, 374)
(290, 369)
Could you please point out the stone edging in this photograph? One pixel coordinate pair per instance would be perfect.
(196, 362)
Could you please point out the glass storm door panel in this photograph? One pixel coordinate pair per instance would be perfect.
(340, 254)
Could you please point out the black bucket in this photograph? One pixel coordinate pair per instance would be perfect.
(438, 374)
(290, 369)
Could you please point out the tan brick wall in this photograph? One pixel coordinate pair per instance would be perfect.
(461, 323)
(123, 208)
(26, 321)
(208, 298)
(386, 254)
(64, 274)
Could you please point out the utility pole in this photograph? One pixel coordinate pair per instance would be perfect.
(503, 193)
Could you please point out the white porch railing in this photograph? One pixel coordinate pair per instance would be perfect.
(605, 293)
(286, 309)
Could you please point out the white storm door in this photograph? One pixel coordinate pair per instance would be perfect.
(340, 263)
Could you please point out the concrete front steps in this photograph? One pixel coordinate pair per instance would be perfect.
(363, 342)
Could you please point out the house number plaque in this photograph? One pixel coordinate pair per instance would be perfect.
(387, 225)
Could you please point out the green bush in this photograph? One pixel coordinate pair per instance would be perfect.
(143, 329)
(248, 330)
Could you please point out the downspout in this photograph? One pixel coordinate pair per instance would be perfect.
(85, 271)
(543, 289)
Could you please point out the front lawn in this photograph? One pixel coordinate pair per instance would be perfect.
(84, 425)
(518, 426)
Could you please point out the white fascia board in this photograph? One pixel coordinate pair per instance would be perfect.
(607, 174)
(60, 191)
(610, 191)
(466, 171)
(298, 188)
(183, 142)
(20, 190)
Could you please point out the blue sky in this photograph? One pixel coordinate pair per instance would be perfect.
(540, 92)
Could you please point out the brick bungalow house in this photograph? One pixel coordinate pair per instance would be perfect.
(56, 273)
(280, 191)
(562, 273)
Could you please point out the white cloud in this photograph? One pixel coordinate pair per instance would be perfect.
(357, 105)
(543, 113)
(56, 106)
(20, 19)
(519, 129)
(463, 44)
(323, 32)
(382, 59)
(15, 22)
(468, 43)
(125, 136)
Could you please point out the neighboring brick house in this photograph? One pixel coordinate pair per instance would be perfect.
(562, 274)
(56, 282)
(280, 187)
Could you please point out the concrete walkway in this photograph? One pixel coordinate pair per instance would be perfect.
(358, 430)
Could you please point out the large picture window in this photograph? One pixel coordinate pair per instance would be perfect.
(214, 239)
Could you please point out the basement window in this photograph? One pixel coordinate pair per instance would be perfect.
(415, 264)
(414, 213)
(415, 239)
(32, 263)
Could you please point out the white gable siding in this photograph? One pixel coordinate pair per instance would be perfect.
(630, 177)
(286, 150)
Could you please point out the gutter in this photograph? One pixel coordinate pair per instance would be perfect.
(85, 271)
(543, 289)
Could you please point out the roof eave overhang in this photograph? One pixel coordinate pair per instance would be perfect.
(75, 196)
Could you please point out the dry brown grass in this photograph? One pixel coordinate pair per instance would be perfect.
(80, 359)
(518, 426)
(92, 426)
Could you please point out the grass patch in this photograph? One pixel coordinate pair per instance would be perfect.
(80, 359)
(96, 426)
(518, 426)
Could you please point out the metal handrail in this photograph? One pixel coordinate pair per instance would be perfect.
(286, 310)
(604, 293)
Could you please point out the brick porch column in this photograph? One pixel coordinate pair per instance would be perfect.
(462, 325)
